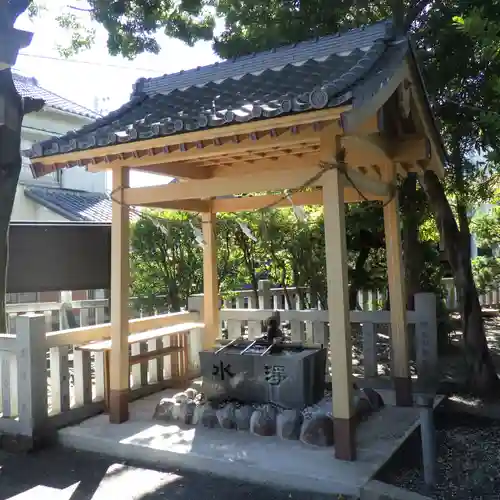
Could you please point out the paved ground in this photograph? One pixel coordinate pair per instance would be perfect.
(60, 474)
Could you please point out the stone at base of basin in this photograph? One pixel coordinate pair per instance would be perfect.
(313, 426)
(377, 490)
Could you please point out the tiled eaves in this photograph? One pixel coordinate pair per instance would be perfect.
(147, 117)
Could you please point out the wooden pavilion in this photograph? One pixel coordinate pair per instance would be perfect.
(346, 115)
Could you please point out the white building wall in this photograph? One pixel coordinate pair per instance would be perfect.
(25, 209)
(79, 178)
(41, 126)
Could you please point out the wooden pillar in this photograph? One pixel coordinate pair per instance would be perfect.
(210, 281)
(395, 273)
(338, 302)
(120, 280)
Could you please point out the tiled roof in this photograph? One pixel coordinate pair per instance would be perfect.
(72, 204)
(28, 87)
(320, 73)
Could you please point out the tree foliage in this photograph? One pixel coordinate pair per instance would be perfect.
(167, 260)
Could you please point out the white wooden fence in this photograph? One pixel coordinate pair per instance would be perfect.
(46, 383)
(488, 300)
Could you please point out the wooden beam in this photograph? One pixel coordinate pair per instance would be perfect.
(210, 280)
(179, 170)
(249, 203)
(266, 181)
(276, 179)
(421, 105)
(120, 281)
(187, 205)
(383, 150)
(338, 302)
(249, 167)
(395, 273)
(251, 127)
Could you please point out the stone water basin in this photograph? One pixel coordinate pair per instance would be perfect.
(289, 375)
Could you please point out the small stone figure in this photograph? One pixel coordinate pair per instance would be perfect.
(274, 332)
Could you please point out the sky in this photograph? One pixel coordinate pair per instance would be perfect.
(106, 78)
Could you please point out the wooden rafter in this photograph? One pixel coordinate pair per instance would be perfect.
(235, 144)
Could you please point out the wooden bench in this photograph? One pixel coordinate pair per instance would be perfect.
(178, 350)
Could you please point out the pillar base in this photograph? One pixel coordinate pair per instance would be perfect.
(118, 406)
(404, 392)
(344, 433)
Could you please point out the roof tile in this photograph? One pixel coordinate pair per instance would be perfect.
(72, 204)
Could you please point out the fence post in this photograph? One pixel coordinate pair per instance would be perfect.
(426, 333)
(32, 376)
(264, 294)
(100, 312)
(369, 349)
(66, 298)
(195, 304)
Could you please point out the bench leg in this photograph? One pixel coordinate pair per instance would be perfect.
(185, 356)
(106, 379)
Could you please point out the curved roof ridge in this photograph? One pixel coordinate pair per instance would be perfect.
(256, 62)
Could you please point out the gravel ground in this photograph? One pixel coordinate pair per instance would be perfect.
(468, 461)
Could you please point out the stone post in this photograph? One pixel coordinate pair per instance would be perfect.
(32, 377)
(426, 334)
(264, 294)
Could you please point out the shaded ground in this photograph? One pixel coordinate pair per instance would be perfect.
(61, 474)
(468, 434)
(468, 461)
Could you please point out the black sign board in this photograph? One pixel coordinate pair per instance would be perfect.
(58, 256)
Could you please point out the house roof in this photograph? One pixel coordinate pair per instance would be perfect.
(72, 204)
(330, 71)
(28, 87)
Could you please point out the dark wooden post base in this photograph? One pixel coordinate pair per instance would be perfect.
(404, 392)
(118, 406)
(344, 432)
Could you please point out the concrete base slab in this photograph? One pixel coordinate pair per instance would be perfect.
(240, 455)
(376, 490)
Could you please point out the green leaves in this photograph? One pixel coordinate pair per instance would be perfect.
(167, 261)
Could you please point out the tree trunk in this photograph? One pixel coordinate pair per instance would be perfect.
(482, 376)
(411, 244)
(10, 168)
